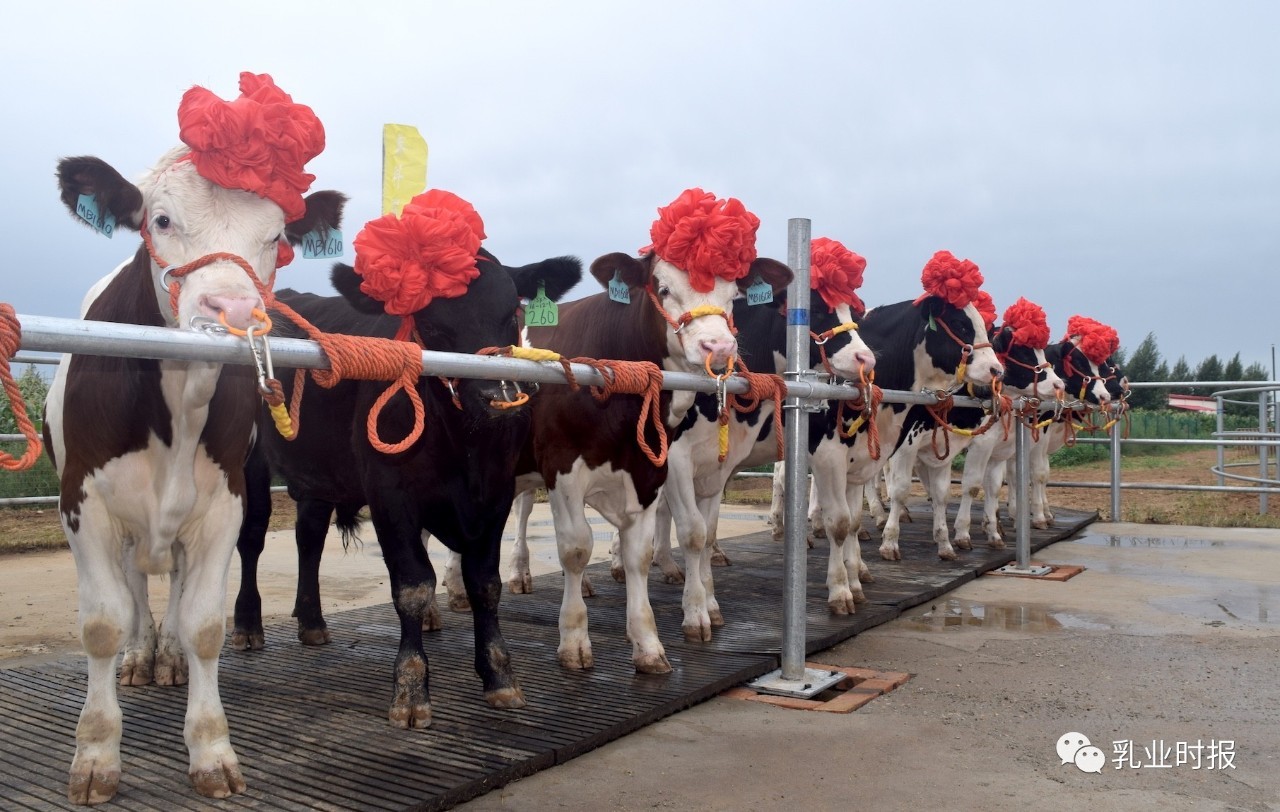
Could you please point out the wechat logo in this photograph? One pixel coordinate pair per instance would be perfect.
(1074, 748)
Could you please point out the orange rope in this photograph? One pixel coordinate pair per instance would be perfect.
(760, 385)
(10, 342)
(634, 378)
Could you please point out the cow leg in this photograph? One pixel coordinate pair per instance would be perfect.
(1037, 489)
(484, 588)
(106, 612)
(875, 504)
(137, 667)
(247, 633)
(855, 499)
(171, 660)
(830, 471)
(691, 531)
(454, 583)
(897, 475)
(521, 580)
(573, 544)
(977, 459)
(710, 507)
(635, 537)
(938, 483)
(201, 628)
(310, 533)
(776, 521)
(992, 475)
(671, 572)
(817, 526)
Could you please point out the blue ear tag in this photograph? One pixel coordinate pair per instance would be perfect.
(618, 290)
(760, 292)
(931, 325)
(541, 312)
(103, 222)
(316, 245)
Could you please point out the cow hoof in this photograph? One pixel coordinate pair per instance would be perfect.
(652, 663)
(242, 640)
(521, 584)
(808, 541)
(171, 669)
(314, 637)
(717, 618)
(695, 633)
(890, 554)
(948, 555)
(842, 605)
(92, 783)
(576, 658)
(137, 668)
(1040, 525)
(619, 574)
(588, 591)
(864, 535)
(865, 576)
(433, 622)
(221, 781)
(505, 698)
(410, 717)
(996, 543)
(964, 544)
(459, 603)
(673, 576)
(819, 532)
(778, 533)
(719, 559)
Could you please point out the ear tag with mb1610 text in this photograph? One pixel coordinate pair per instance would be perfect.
(87, 209)
(541, 312)
(318, 245)
(760, 292)
(618, 290)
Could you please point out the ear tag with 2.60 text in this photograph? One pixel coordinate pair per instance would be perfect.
(103, 222)
(759, 292)
(618, 290)
(541, 312)
(317, 245)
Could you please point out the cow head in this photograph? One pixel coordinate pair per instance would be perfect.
(697, 322)
(1020, 343)
(954, 345)
(1083, 353)
(426, 266)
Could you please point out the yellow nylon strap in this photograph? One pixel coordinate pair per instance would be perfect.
(280, 415)
(705, 310)
(534, 354)
(724, 440)
(843, 328)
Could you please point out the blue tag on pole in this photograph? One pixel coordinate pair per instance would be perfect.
(618, 290)
(326, 245)
(87, 209)
(760, 292)
(541, 312)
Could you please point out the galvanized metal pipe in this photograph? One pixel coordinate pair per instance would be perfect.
(1115, 476)
(794, 589)
(1022, 473)
(1263, 465)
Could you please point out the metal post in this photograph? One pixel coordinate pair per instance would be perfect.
(1264, 465)
(1222, 452)
(797, 455)
(1022, 519)
(1115, 473)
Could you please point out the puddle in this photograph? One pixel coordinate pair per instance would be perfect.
(1095, 540)
(956, 614)
(1241, 607)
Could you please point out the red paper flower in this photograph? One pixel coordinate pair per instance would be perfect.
(428, 252)
(953, 280)
(705, 237)
(1029, 325)
(260, 142)
(1096, 340)
(835, 273)
(986, 307)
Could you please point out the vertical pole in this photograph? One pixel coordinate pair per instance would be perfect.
(1222, 455)
(1264, 466)
(797, 455)
(1115, 473)
(1022, 473)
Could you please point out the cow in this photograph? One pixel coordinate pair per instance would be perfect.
(697, 476)
(1078, 359)
(456, 481)
(671, 308)
(931, 344)
(1019, 343)
(150, 454)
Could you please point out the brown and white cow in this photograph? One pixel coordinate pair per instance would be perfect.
(676, 315)
(150, 454)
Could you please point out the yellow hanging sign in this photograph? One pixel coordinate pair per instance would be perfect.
(404, 166)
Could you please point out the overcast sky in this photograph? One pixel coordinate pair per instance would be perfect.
(1115, 159)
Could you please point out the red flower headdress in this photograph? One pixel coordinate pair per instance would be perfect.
(953, 280)
(1096, 340)
(428, 252)
(1029, 325)
(260, 142)
(986, 307)
(705, 237)
(835, 273)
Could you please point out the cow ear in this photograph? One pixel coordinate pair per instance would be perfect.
(773, 272)
(633, 272)
(1002, 339)
(324, 212)
(87, 175)
(554, 276)
(347, 282)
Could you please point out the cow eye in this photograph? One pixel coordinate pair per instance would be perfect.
(163, 222)
(664, 291)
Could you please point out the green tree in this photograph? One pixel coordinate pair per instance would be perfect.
(1210, 369)
(1142, 366)
(34, 388)
(1181, 372)
(1234, 370)
(1256, 372)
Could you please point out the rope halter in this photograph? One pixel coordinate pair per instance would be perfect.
(821, 339)
(966, 350)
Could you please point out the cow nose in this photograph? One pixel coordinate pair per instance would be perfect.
(234, 311)
(866, 359)
(719, 350)
(1059, 385)
(997, 371)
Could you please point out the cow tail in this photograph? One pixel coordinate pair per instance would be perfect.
(348, 522)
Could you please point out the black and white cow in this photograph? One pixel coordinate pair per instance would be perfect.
(587, 452)
(150, 454)
(930, 344)
(456, 482)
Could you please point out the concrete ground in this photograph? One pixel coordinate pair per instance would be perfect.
(1164, 645)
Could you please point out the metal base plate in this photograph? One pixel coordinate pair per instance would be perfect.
(814, 682)
(1014, 569)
